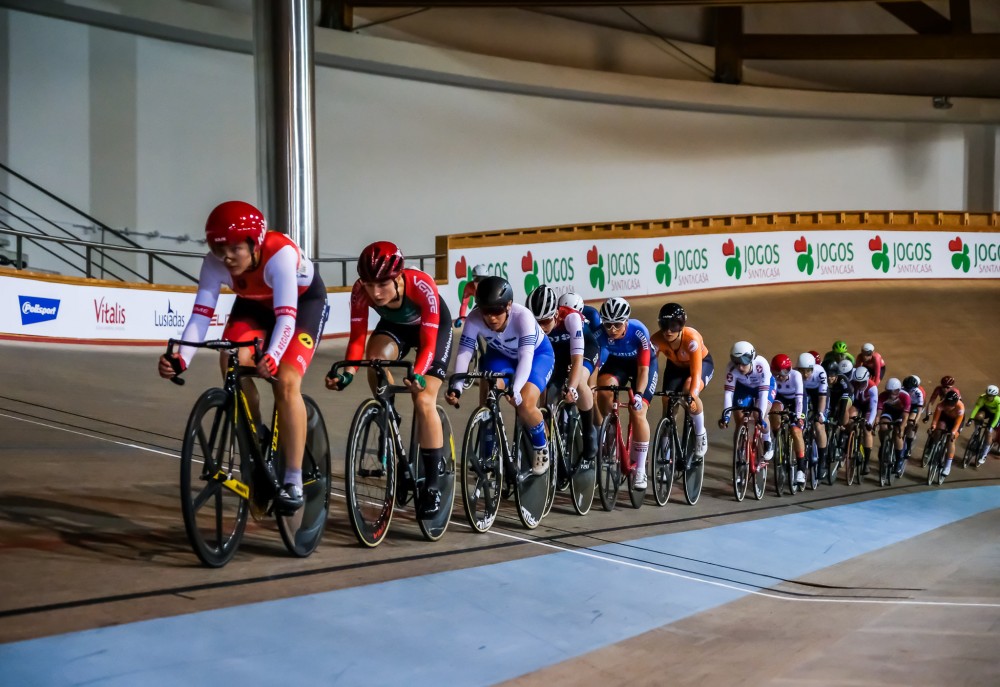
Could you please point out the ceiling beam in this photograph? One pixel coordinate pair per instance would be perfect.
(728, 35)
(919, 16)
(870, 47)
(961, 16)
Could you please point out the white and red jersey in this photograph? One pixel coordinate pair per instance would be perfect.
(918, 398)
(866, 396)
(759, 378)
(420, 306)
(886, 401)
(281, 275)
(791, 388)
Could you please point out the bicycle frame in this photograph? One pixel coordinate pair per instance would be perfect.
(624, 459)
(751, 414)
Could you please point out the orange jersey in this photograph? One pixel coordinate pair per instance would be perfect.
(690, 351)
(950, 416)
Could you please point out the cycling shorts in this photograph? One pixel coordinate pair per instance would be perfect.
(252, 319)
(893, 412)
(745, 397)
(623, 369)
(674, 376)
(407, 336)
(591, 354)
(541, 363)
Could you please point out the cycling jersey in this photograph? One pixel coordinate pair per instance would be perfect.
(282, 275)
(866, 399)
(687, 357)
(953, 415)
(895, 407)
(468, 293)
(759, 378)
(839, 394)
(593, 318)
(917, 398)
(817, 381)
(989, 404)
(837, 357)
(874, 363)
(420, 310)
(940, 391)
(517, 341)
(634, 343)
(790, 390)
(571, 337)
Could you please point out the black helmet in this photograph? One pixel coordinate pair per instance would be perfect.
(832, 368)
(671, 312)
(493, 293)
(951, 397)
(911, 382)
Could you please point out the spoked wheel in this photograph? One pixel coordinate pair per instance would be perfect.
(784, 478)
(370, 474)
(433, 527)
(933, 466)
(214, 466)
(694, 474)
(583, 480)
(554, 458)
(926, 455)
(661, 462)
(531, 491)
(852, 455)
(971, 456)
(303, 530)
(759, 476)
(741, 463)
(609, 468)
(482, 475)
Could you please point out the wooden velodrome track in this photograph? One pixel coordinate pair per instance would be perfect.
(91, 532)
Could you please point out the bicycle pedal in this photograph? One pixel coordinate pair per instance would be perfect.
(366, 472)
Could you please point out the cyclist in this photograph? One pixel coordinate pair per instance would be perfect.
(864, 400)
(789, 394)
(576, 354)
(918, 396)
(514, 344)
(413, 316)
(838, 352)
(948, 417)
(816, 386)
(873, 360)
(479, 272)
(894, 404)
(839, 390)
(281, 299)
(689, 366)
(987, 405)
(591, 316)
(947, 384)
(747, 375)
(629, 356)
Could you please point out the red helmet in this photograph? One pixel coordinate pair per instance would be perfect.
(948, 381)
(235, 222)
(819, 359)
(380, 261)
(781, 363)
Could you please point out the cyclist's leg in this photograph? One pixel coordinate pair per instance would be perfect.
(585, 404)
(542, 363)
(247, 321)
(429, 430)
(384, 344)
(614, 371)
(640, 427)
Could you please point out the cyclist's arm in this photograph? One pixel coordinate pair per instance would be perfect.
(849, 357)
(873, 406)
(643, 356)
(976, 408)
(764, 390)
(467, 293)
(573, 322)
(823, 391)
(280, 275)
(467, 343)
(959, 417)
(996, 415)
(524, 326)
(213, 275)
(425, 295)
(695, 348)
(937, 417)
(799, 393)
(359, 325)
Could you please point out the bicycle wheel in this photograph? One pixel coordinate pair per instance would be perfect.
(782, 476)
(434, 526)
(853, 459)
(741, 463)
(303, 530)
(473, 368)
(609, 467)
(834, 456)
(933, 463)
(583, 472)
(482, 477)
(884, 462)
(926, 455)
(759, 476)
(661, 462)
(370, 474)
(971, 455)
(215, 467)
(531, 491)
(694, 472)
(554, 458)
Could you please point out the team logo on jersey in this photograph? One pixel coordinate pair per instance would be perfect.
(428, 291)
(985, 257)
(306, 340)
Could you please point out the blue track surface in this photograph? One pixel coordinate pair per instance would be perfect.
(493, 622)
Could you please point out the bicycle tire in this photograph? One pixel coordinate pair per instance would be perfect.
(759, 476)
(215, 517)
(834, 455)
(661, 462)
(302, 531)
(884, 461)
(782, 476)
(482, 477)
(934, 463)
(741, 463)
(583, 479)
(530, 490)
(554, 458)
(434, 527)
(971, 455)
(608, 464)
(370, 474)
(694, 474)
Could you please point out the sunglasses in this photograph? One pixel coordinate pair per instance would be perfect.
(673, 327)
(495, 310)
(613, 326)
(744, 359)
(545, 321)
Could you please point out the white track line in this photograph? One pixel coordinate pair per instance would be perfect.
(745, 589)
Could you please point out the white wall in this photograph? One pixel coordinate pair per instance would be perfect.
(405, 159)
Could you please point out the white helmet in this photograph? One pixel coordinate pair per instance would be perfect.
(615, 310)
(868, 348)
(992, 390)
(571, 300)
(806, 361)
(742, 353)
(542, 302)
(893, 384)
(844, 367)
(479, 271)
(860, 375)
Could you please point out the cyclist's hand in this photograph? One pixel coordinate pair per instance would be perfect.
(571, 395)
(693, 405)
(637, 402)
(459, 321)
(418, 383)
(869, 426)
(267, 366)
(515, 397)
(925, 419)
(724, 421)
(339, 381)
(172, 366)
(452, 397)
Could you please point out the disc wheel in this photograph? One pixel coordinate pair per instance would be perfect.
(741, 463)
(370, 474)
(213, 464)
(531, 491)
(583, 480)
(434, 526)
(694, 474)
(303, 530)
(482, 476)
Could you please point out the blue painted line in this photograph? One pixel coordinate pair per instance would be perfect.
(482, 625)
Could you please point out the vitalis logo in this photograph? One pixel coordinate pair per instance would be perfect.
(603, 273)
(171, 318)
(106, 313)
(761, 260)
(907, 256)
(835, 257)
(987, 256)
(35, 310)
(689, 266)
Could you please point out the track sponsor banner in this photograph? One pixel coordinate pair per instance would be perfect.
(648, 266)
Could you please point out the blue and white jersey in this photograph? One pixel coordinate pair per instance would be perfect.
(592, 317)
(634, 343)
(517, 341)
(757, 379)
